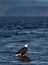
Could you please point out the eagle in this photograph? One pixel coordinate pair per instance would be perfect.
(21, 53)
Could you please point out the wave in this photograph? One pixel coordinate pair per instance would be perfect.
(23, 23)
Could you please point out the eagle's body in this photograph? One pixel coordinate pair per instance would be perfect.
(21, 53)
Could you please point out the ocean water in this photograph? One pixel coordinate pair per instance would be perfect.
(15, 31)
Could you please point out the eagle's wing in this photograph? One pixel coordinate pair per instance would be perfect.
(22, 51)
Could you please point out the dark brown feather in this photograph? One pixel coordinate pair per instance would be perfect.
(22, 51)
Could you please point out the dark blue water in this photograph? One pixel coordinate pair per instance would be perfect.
(15, 31)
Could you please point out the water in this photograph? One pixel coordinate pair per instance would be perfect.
(15, 31)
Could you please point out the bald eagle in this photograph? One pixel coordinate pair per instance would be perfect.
(22, 51)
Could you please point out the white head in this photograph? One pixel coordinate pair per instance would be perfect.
(26, 45)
